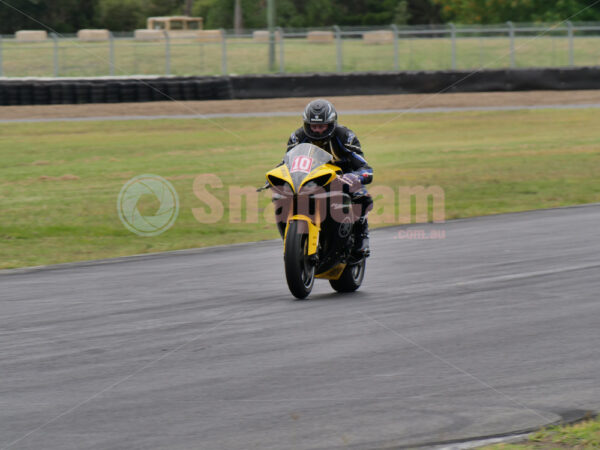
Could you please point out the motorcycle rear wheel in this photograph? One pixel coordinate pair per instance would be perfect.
(351, 279)
(299, 271)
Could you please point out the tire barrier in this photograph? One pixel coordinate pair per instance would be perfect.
(117, 90)
(41, 94)
(67, 93)
(97, 93)
(159, 92)
(112, 92)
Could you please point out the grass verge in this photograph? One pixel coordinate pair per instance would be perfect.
(59, 182)
(583, 435)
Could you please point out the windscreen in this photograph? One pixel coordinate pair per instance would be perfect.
(303, 159)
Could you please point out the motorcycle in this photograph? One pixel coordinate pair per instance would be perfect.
(315, 217)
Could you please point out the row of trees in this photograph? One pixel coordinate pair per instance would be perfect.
(68, 16)
(499, 11)
(318, 13)
(125, 15)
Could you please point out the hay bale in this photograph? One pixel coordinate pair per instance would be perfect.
(320, 37)
(31, 35)
(93, 35)
(260, 36)
(183, 34)
(208, 36)
(263, 36)
(149, 35)
(379, 37)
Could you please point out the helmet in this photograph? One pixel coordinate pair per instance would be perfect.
(319, 112)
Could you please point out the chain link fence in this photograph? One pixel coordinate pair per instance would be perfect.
(336, 49)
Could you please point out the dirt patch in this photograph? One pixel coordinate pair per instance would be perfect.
(66, 177)
(416, 101)
(121, 175)
(93, 159)
(181, 177)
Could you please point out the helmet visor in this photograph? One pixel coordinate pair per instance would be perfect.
(319, 131)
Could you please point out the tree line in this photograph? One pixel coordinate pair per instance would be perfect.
(68, 16)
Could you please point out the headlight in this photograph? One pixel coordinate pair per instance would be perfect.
(275, 181)
(322, 180)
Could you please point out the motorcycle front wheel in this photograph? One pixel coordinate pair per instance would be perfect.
(299, 271)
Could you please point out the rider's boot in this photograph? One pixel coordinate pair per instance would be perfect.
(361, 236)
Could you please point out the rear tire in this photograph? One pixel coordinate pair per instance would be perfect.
(299, 272)
(351, 279)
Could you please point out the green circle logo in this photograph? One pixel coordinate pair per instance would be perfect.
(163, 218)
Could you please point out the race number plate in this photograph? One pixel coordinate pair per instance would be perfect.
(302, 164)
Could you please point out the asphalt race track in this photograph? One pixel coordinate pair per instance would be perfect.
(495, 328)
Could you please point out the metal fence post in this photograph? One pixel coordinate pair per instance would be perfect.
(271, 26)
(396, 51)
(511, 34)
(135, 59)
(1, 61)
(338, 45)
(111, 50)
(410, 52)
(279, 35)
(167, 53)
(480, 51)
(223, 53)
(55, 53)
(453, 39)
(553, 40)
(571, 44)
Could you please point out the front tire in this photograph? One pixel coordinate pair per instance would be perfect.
(299, 271)
(352, 277)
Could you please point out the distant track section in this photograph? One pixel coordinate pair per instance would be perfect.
(43, 91)
(295, 114)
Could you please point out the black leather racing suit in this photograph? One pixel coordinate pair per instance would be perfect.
(348, 155)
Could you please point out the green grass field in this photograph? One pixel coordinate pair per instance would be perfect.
(59, 182)
(246, 57)
(582, 436)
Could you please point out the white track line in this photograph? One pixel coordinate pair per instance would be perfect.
(293, 114)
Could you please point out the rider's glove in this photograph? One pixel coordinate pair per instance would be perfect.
(365, 177)
(352, 180)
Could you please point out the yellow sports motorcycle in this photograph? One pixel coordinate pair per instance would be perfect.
(315, 217)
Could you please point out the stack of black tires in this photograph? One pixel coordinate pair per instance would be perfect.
(54, 92)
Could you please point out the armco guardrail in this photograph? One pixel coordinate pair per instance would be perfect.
(115, 90)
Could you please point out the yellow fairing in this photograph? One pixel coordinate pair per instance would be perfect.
(332, 274)
(281, 172)
(313, 233)
(325, 169)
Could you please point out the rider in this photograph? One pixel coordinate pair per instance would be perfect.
(321, 129)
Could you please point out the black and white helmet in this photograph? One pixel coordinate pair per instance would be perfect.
(319, 112)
